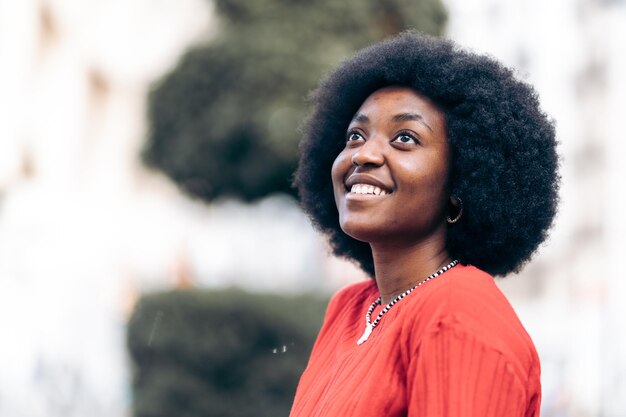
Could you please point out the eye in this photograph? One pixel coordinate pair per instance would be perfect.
(406, 138)
(353, 136)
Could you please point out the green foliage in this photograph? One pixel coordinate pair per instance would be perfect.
(199, 353)
(224, 122)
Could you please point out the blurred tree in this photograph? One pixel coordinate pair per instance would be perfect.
(199, 353)
(224, 122)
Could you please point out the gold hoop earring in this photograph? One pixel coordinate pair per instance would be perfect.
(458, 216)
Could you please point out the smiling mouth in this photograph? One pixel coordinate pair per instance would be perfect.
(366, 189)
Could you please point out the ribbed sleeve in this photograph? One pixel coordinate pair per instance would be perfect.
(456, 374)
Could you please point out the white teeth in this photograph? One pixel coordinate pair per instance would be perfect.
(367, 189)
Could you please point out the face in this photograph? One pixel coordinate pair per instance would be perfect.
(390, 180)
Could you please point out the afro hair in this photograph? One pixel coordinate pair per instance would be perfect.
(504, 164)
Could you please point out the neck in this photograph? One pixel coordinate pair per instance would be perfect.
(400, 267)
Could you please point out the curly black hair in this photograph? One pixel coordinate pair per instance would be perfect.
(504, 164)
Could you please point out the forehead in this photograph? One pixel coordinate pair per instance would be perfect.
(391, 101)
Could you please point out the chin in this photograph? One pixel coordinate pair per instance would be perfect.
(362, 232)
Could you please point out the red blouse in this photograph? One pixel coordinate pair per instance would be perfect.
(453, 347)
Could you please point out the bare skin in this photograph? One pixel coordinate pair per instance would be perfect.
(399, 269)
(390, 185)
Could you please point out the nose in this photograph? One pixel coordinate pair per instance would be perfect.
(370, 153)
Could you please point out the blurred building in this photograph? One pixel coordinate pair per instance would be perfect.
(84, 227)
(79, 219)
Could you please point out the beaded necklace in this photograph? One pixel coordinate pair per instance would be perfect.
(369, 326)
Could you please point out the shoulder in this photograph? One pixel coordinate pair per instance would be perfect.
(465, 291)
(345, 308)
(352, 295)
(466, 304)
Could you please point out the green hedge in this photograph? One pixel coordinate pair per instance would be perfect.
(219, 353)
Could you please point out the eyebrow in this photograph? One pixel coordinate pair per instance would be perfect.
(360, 117)
(407, 117)
(402, 117)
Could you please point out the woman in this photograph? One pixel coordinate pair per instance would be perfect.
(433, 168)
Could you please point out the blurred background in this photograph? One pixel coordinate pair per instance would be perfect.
(145, 155)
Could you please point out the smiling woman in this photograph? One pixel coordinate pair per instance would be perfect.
(396, 143)
(433, 168)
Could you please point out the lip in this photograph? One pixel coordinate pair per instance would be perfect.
(367, 179)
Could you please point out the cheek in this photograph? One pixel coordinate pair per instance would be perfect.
(430, 183)
(339, 170)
